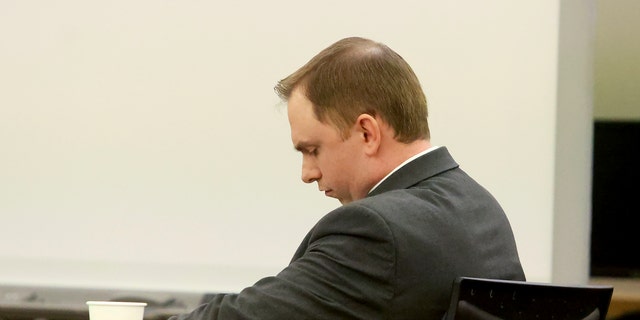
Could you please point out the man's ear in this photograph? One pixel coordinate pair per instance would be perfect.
(369, 131)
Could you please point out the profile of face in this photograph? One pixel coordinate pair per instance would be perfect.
(329, 160)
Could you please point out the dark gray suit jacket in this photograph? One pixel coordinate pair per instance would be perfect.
(392, 255)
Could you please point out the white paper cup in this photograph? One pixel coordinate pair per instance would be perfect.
(111, 310)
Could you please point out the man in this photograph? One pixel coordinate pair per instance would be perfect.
(411, 221)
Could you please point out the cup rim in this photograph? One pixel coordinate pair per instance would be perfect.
(116, 303)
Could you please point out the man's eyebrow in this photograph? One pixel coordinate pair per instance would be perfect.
(302, 146)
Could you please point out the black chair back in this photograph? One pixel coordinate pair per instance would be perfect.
(487, 299)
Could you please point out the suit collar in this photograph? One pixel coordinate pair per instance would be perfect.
(421, 168)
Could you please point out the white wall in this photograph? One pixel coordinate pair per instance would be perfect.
(146, 133)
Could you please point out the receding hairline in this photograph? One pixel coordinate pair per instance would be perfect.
(347, 48)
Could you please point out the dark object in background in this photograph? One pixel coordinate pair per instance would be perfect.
(615, 227)
(629, 316)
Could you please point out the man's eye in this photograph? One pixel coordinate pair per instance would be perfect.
(313, 152)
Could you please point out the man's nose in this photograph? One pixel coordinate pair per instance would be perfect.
(310, 172)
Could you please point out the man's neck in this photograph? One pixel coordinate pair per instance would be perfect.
(399, 155)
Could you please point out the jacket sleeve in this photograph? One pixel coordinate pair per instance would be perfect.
(346, 272)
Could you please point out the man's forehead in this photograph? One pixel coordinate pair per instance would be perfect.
(299, 108)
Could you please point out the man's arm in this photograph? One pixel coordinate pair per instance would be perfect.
(346, 272)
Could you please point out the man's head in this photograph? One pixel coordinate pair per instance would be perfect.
(355, 76)
(349, 107)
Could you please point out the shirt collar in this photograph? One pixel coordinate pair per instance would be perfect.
(403, 164)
